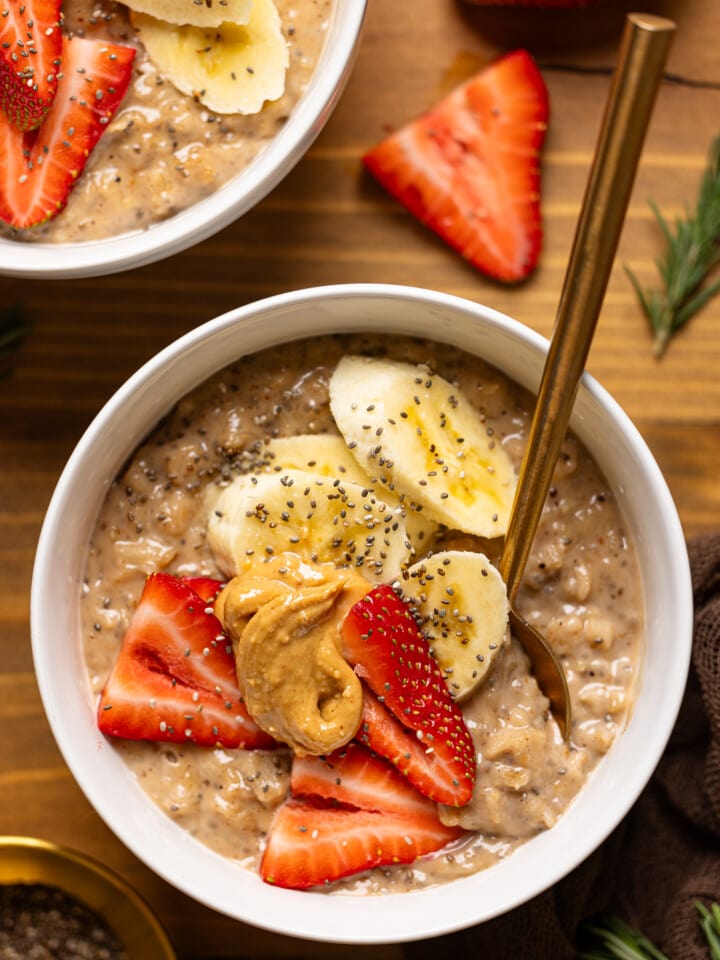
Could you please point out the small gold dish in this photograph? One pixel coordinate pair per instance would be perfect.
(27, 860)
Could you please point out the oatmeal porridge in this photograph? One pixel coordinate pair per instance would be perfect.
(164, 150)
(581, 589)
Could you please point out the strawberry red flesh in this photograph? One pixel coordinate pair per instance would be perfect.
(356, 777)
(207, 587)
(433, 772)
(38, 169)
(30, 59)
(469, 168)
(174, 678)
(386, 647)
(311, 844)
(358, 813)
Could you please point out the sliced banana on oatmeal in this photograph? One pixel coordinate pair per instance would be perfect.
(198, 13)
(324, 453)
(231, 68)
(416, 433)
(328, 454)
(461, 604)
(318, 518)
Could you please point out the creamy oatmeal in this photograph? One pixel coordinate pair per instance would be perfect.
(165, 151)
(581, 588)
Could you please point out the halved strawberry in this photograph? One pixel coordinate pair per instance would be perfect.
(174, 678)
(359, 813)
(30, 55)
(388, 650)
(469, 168)
(38, 169)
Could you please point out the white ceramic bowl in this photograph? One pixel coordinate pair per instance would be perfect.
(126, 419)
(236, 197)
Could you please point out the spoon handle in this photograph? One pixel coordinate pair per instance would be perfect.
(643, 51)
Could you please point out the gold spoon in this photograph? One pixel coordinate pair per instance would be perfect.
(643, 51)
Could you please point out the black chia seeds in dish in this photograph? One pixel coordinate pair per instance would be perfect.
(42, 922)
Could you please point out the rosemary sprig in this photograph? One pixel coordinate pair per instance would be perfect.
(613, 939)
(610, 938)
(692, 250)
(710, 925)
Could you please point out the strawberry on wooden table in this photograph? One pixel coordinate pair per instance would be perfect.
(174, 678)
(417, 725)
(469, 168)
(348, 812)
(39, 168)
(30, 59)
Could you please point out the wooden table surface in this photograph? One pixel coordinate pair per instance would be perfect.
(329, 223)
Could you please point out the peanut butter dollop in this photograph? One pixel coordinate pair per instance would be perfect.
(284, 618)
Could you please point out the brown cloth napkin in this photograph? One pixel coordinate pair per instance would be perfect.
(666, 853)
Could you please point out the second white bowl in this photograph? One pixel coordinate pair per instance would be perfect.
(229, 202)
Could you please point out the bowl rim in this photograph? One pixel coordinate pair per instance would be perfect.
(412, 915)
(226, 204)
(34, 860)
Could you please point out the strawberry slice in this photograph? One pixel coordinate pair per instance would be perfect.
(311, 844)
(174, 678)
(386, 647)
(356, 777)
(359, 813)
(30, 58)
(206, 587)
(430, 771)
(469, 168)
(38, 169)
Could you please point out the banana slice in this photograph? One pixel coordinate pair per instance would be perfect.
(323, 453)
(198, 13)
(461, 604)
(418, 435)
(317, 518)
(328, 454)
(231, 68)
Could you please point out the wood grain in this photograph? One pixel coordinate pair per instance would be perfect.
(328, 223)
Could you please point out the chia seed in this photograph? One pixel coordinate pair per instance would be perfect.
(42, 922)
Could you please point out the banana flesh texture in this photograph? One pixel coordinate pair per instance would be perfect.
(328, 454)
(461, 604)
(324, 453)
(231, 67)
(198, 13)
(315, 517)
(422, 439)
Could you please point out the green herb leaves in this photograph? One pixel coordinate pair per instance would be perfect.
(613, 939)
(710, 925)
(692, 250)
(610, 938)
